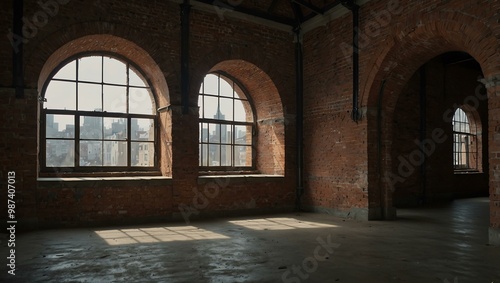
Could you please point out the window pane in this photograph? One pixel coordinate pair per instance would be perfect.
(210, 107)
(226, 89)
(214, 133)
(200, 106)
(90, 69)
(59, 126)
(226, 107)
(115, 99)
(242, 111)
(211, 84)
(115, 71)
(214, 155)
(115, 153)
(226, 133)
(204, 132)
(68, 72)
(135, 79)
(89, 97)
(90, 127)
(141, 101)
(143, 153)
(60, 153)
(60, 95)
(142, 129)
(90, 153)
(238, 92)
(204, 154)
(226, 155)
(243, 135)
(115, 129)
(242, 156)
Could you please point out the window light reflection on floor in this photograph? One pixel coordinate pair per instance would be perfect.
(279, 224)
(156, 235)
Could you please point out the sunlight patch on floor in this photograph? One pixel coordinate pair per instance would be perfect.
(156, 235)
(279, 224)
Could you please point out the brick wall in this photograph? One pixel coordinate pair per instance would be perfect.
(261, 58)
(346, 163)
(397, 37)
(447, 87)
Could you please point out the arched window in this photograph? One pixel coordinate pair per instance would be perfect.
(226, 124)
(98, 115)
(465, 145)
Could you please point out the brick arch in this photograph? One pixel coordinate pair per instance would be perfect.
(425, 38)
(99, 36)
(134, 53)
(420, 40)
(112, 44)
(250, 68)
(269, 150)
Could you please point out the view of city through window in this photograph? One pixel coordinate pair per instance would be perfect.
(226, 124)
(114, 109)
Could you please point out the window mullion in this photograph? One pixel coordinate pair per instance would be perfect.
(77, 140)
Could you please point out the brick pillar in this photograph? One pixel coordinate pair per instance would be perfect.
(18, 154)
(184, 157)
(493, 86)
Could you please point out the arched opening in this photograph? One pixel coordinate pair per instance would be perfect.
(141, 78)
(265, 122)
(437, 143)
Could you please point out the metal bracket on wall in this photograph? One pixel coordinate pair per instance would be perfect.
(17, 48)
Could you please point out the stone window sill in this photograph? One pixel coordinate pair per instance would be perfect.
(85, 182)
(247, 178)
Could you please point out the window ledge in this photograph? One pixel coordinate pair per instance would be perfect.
(52, 182)
(467, 172)
(245, 178)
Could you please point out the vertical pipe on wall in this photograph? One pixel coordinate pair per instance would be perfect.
(185, 10)
(354, 8)
(355, 62)
(17, 48)
(300, 116)
(423, 130)
(382, 192)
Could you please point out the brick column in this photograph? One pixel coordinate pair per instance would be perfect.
(493, 86)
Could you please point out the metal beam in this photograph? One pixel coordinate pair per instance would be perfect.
(349, 4)
(423, 130)
(17, 50)
(251, 12)
(271, 7)
(309, 6)
(185, 10)
(299, 76)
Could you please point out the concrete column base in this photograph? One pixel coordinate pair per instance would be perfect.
(494, 236)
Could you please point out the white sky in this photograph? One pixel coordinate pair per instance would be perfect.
(62, 95)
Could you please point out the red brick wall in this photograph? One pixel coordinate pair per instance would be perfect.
(447, 87)
(149, 35)
(345, 162)
(392, 48)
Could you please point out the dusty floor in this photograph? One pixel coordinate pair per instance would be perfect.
(440, 244)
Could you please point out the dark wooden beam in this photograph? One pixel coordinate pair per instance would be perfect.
(17, 48)
(185, 11)
(309, 6)
(251, 12)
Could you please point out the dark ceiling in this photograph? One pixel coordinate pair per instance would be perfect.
(288, 12)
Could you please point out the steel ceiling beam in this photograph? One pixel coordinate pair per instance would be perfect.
(251, 12)
(309, 6)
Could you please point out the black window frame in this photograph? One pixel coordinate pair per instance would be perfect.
(466, 138)
(253, 128)
(78, 169)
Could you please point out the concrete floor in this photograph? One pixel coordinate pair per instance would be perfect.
(439, 244)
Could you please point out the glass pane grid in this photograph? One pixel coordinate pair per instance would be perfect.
(225, 133)
(464, 153)
(104, 86)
